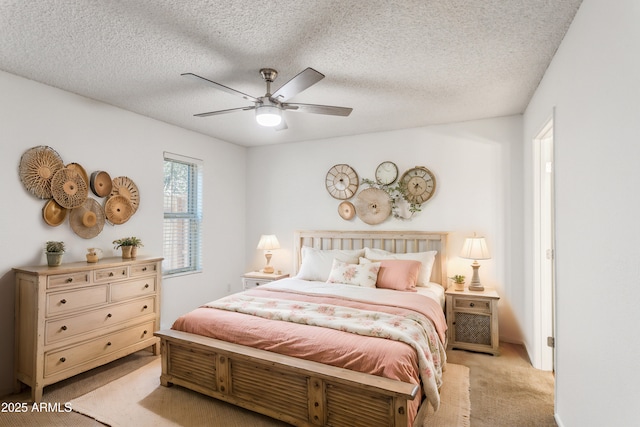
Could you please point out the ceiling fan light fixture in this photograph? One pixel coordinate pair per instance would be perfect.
(268, 115)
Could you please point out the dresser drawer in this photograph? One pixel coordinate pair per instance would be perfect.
(481, 305)
(143, 269)
(254, 283)
(68, 358)
(81, 278)
(134, 288)
(109, 274)
(70, 301)
(69, 327)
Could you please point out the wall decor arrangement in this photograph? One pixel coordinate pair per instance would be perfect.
(66, 188)
(384, 196)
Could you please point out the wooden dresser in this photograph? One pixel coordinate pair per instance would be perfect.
(74, 317)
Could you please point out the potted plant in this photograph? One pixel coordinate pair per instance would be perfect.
(458, 281)
(129, 246)
(54, 251)
(135, 244)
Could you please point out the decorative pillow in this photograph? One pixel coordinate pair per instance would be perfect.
(316, 263)
(364, 275)
(426, 259)
(398, 274)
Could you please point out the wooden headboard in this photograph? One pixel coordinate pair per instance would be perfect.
(392, 241)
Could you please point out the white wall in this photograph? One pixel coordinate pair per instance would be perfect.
(478, 174)
(102, 137)
(593, 82)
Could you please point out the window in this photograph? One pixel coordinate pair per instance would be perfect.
(182, 215)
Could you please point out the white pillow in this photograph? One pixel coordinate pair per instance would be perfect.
(426, 259)
(316, 263)
(364, 275)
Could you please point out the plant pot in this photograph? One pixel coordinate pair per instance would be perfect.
(126, 251)
(458, 286)
(134, 251)
(54, 259)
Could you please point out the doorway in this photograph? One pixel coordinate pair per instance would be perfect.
(544, 249)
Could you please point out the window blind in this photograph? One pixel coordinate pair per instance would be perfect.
(182, 231)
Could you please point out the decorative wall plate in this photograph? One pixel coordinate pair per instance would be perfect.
(54, 214)
(118, 210)
(420, 184)
(346, 210)
(101, 183)
(37, 167)
(68, 188)
(342, 181)
(373, 205)
(125, 187)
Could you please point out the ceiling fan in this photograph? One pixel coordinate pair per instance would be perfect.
(270, 106)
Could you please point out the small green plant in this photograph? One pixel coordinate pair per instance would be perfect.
(54, 247)
(458, 278)
(128, 241)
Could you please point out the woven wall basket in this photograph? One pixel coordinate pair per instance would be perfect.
(125, 187)
(69, 188)
(118, 210)
(37, 167)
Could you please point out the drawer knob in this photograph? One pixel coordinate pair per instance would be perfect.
(111, 274)
(109, 343)
(63, 327)
(62, 359)
(70, 279)
(144, 333)
(472, 305)
(109, 315)
(146, 285)
(144, 268)
(63, 301)
(145, 307)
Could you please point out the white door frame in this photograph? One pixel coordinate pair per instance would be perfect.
(544, 248)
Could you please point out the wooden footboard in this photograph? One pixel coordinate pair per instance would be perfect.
(293, 390)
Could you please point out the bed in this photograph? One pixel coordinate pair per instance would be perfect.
(284, 371)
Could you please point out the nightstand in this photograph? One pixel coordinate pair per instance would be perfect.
(257, 278)
(472, 320)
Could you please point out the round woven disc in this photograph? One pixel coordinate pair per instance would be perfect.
(68, 188)
(53, 213)
(373, 205)
(87, 221)
(37, 167)
(118, 210)
(346, 210)
(123, 186)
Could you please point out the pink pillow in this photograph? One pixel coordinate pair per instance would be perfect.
(398, 274)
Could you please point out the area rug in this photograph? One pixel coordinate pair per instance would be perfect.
(139, 399)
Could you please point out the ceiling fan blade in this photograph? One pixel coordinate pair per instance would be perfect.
(214, 113)
(297, 84)
(318, 109)
(219, 86)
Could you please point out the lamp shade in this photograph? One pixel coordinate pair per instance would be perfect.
(268, 115)
(475, 248)
(268, 242)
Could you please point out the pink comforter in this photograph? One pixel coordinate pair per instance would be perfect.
(383, 357)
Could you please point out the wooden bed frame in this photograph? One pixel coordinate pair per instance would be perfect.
(300, 392)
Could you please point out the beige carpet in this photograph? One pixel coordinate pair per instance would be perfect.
(139, 399)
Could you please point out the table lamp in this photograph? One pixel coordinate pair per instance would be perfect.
(267, 243)
(475, 248)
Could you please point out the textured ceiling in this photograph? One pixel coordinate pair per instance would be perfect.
(398, 64)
